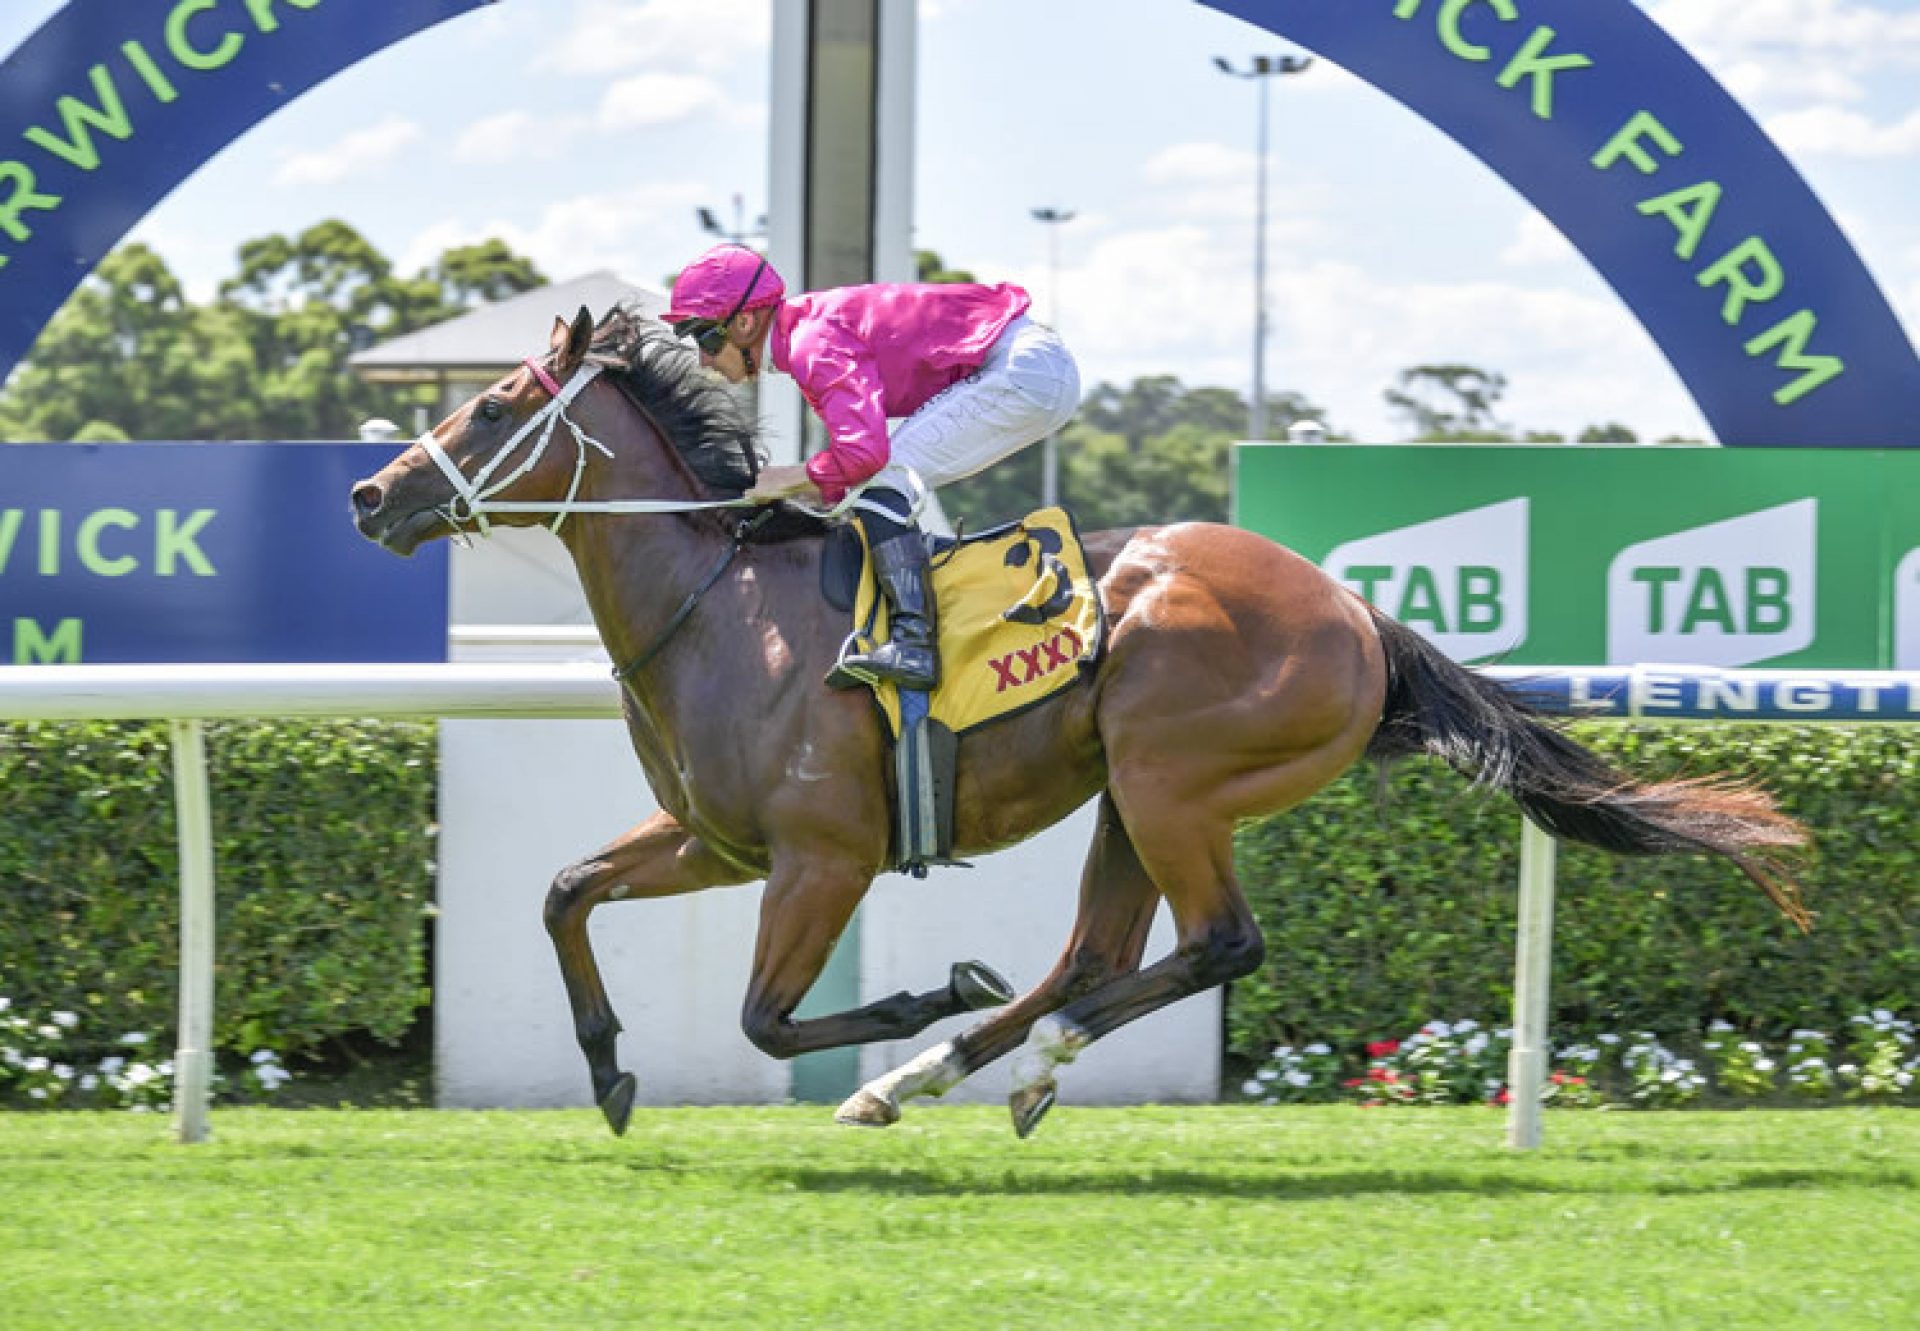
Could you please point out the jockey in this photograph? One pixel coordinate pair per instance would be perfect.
(970, 378)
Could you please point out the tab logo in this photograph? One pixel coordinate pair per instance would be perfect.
(1730, 593)
(1460, 581)
(1906, 613)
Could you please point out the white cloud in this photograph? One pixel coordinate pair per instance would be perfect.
(514, 136)
(1538, 242)
(1754, 82)
(352, 155)
(612, 36)
(627, 231)
(648, 100)
(1852, 34)
(1219, 185)
(1572, 357)
(1174, 300)
(1841, 133)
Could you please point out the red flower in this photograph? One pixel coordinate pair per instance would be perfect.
(1383, 1048)
(1352, 1082)
(1503, 1097)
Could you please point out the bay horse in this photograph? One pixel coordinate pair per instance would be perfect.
(1237, 680)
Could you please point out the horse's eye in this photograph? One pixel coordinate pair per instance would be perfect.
(491, 410)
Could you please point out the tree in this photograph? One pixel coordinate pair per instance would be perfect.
(930, 267)
(482, 274)
(129, 354)
(1153, 451)
(1611, 433)
(1450, 403)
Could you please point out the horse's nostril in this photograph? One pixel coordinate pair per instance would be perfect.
(367, 498)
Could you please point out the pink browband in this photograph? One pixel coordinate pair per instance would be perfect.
(539, 373)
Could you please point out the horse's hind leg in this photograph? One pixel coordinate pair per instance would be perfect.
(659, 858)
(1218, 941)
(1117, 900)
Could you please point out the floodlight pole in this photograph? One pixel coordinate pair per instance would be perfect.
(739, 233)
(1260, 71)
(1051, 218)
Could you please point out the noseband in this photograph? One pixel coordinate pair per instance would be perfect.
(474, 498)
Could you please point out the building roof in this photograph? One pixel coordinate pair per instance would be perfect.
(494, 337)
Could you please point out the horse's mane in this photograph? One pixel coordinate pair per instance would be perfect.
(694, 409)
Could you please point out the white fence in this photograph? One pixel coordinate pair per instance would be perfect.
(188, 695)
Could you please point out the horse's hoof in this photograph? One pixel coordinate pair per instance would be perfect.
(1030, 1104)
(977, 985)
(617, 1104)
(864, 1109)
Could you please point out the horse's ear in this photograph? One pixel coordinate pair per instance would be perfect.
(569, 342)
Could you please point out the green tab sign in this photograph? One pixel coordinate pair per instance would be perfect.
(1612, 556)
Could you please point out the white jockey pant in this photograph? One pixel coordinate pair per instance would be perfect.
(1027, 388)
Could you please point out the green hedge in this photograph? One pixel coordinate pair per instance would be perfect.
(1380, 917)
(323, 846)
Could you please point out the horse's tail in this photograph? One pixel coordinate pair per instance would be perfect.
(1444, 710)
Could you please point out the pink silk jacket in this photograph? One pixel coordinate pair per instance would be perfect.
(863, 354)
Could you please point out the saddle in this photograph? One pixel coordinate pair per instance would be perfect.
(1019, 621)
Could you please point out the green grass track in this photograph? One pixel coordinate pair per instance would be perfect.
(1174, 1219)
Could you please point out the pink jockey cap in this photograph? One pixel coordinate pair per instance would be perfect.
(716, 285)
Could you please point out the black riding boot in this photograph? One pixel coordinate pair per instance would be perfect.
(910, 657)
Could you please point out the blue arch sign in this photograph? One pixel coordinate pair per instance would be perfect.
(110, 104)
(1586, 107)
(1664, 183)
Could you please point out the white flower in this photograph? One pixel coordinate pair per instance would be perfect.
(1608, 1039)
(1719, 1027)
(134, 1038)
(1252, 1088)
(66, 1021)
(1299, 1079)
(1317, 1050)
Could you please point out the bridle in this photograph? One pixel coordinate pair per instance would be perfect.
(474, 497)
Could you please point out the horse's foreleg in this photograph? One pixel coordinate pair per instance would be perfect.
(1117, 900)
(801, 918)
(659, 858)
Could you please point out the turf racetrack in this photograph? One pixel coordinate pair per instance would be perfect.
(1174, 1219)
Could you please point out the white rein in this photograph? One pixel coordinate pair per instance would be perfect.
(473, 499)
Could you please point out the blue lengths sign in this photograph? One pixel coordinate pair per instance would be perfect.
(112, 103)
(171, 552)
(1619, 137)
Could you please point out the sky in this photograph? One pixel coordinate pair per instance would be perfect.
(586, 133)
